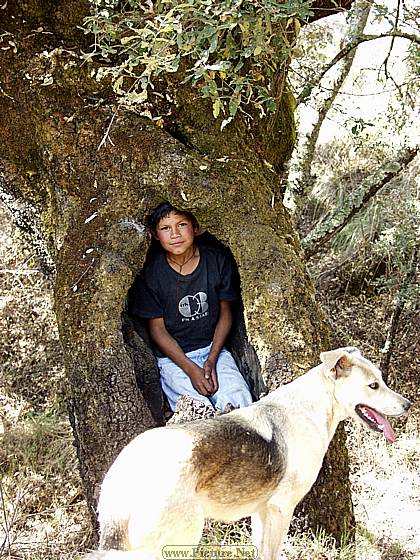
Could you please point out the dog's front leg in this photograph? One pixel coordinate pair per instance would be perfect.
(269, 530)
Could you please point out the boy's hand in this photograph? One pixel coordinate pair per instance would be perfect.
(200, 382)
(211, 374)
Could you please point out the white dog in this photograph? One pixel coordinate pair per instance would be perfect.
(258, 461)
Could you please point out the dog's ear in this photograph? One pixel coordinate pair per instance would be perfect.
(338, 360)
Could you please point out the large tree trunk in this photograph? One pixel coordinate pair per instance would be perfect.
(85, 208)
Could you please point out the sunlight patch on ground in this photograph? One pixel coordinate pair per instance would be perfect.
(386, 491)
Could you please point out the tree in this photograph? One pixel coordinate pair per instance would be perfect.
(314, 90)
(304, 183)
(356, 202)
(407, 291)
(79, 175)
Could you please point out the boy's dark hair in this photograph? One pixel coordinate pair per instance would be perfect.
(164, 210)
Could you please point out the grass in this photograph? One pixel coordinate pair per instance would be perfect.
(227, 533)
(42, 511)
(386, 486)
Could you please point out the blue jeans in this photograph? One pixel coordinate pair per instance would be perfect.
(232, 386)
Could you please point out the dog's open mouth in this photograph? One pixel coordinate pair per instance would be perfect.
(376, 421)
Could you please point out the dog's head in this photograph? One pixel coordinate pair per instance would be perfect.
(361, 391)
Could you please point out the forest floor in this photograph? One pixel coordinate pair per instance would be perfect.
(42, 511)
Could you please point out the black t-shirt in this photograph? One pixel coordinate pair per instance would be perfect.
(188, 304)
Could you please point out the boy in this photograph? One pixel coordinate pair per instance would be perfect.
(185, 293)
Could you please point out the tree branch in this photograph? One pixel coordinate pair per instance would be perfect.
(399, 304)
(306, 92)
(356, 202)
(385, 63)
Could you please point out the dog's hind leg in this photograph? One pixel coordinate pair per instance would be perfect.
(269, 530)
(177, 524)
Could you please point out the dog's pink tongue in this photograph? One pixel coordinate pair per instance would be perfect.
(384, 425)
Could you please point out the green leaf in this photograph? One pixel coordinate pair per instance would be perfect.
(208, 31)
(271, 105)
(213, 43)
(125, 40)
(217, 105)
(212, 87)
(233, 106)
(118, 85)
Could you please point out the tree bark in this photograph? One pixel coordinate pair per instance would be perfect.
(85, 208)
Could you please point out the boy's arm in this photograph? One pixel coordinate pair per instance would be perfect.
(169, 346)
(221, 333)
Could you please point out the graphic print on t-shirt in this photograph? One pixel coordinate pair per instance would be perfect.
(193, 307)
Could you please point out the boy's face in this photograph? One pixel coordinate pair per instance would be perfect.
(175, 233)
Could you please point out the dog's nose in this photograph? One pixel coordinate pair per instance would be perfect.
(406, 405)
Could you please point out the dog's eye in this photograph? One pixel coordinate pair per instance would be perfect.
(374, 385)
